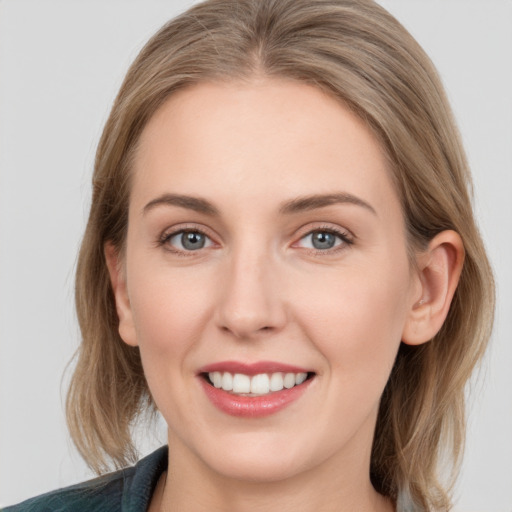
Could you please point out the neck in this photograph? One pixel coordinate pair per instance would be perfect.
(190, 486)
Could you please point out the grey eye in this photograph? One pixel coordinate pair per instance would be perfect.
(323, 240)
(189, 240)
(192, 241)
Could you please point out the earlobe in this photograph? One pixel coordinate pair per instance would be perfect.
(439, 271)
(123, 307)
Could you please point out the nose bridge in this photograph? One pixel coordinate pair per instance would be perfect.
(251, 300)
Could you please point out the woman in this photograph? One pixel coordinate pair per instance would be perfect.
(281, 257)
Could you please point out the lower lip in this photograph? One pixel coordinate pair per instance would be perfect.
(253, 406)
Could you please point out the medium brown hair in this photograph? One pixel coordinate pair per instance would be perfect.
(357, 52)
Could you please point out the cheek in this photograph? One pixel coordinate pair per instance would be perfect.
(357, 321)
(169, 312)
(169, 309)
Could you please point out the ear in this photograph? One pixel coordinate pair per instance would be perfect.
(439, 270)
(117, 274)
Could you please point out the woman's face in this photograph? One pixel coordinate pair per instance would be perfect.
(265, 245)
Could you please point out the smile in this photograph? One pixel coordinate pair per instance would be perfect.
(256, 385)
(253, 390)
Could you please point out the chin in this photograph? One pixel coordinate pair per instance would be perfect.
(260, 461)
(261, 470)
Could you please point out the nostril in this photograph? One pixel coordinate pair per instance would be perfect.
(246, 330)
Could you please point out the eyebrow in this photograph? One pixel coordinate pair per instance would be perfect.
(296, 205)
(191, 203)
(322, 200)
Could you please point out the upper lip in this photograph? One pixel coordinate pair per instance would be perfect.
(252, 368)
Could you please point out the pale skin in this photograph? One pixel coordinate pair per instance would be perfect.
(259, 287)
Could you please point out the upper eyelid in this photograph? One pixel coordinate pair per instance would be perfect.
(181, 228)
(341, 236)
(307, 229)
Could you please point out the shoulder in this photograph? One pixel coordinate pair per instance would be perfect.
(105, 492)
(129, 488)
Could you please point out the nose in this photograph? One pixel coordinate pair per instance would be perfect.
(251, 301)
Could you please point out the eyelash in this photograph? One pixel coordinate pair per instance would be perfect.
(166, 236)
(345, 237)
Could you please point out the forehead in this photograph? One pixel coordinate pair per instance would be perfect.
(268, 137)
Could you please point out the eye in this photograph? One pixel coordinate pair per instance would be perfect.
(188, 240)
(324, 239)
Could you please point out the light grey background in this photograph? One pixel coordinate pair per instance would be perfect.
(61, 63)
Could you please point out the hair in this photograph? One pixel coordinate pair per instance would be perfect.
(358, 53)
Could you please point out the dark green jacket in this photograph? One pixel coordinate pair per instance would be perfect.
(127, 490)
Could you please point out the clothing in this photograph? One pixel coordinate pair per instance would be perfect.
(126, 490)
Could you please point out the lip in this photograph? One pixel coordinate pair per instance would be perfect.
(252, 406)
(252, 368)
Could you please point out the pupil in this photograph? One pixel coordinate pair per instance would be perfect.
(323, 240)
(192, 241)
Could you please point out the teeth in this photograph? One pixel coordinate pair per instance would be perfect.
(260, 384)
(227, 381)
(300, 378)
(289, 380)
(217, 379)
(276, 382)
(241, 383)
